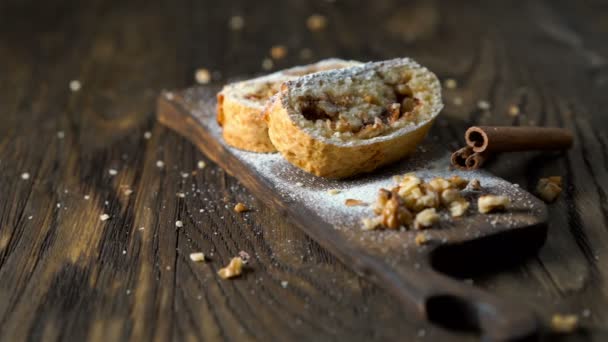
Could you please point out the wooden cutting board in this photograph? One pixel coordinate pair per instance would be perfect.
(416, 275)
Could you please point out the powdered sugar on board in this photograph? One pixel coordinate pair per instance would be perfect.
(319, 196)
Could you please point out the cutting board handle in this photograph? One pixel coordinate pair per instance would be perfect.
(458, 305)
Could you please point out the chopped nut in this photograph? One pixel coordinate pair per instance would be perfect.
(236, 23)
(450, 195)
(564, 323)
(197, 257)
(549, 188)
(450, 83)
(395, 214)
(458, 182)
(458, 207)
(383, 197)
(421, 239)
(234, 269)
(371, 223)
(104, 217)
(439, 184)
(278, 52)
(333, 191)
(316, 22)
(489, 203)
(426, 218)
(475, 184)
(351, 202)
(240, 207)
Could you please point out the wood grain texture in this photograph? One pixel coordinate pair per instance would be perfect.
(63, 272)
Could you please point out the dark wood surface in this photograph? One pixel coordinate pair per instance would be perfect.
(64, 274)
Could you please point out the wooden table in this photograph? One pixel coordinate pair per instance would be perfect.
(67, 274)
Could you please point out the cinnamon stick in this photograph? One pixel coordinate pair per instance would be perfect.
(466, 159)
(510, 139)
(459, 158)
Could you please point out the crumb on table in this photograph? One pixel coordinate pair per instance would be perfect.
(234, 269)
(240, 207)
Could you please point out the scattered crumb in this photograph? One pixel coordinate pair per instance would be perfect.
(202, 76)
(421, 239)
(284, 284)
(127, 192)
(169, 95)
(201, 164)
(475, 184)
(483, 105)
(160, 163)
(244, 256)
(86, 197)
(102, 217)
(234, 269)
(147, 135)
(564, 323)
(179, 224)
(124, 251)
(513, 110)
(30, 217)
(240, 207)
(548, 189)
(457, 101)
(316, 22)
(300, 184)
(450, 83)
(351, 202)
(112, 172)
(180, 194)
(60, 135)
(490, 203)
(185, 174)
(278, 52)
(25, 176)
(306, 53)
(141, 228)
(333, 191)
(371, 223)
(236, 23)
(426, 218)
(586, 313)
(267, 64)
(197, 257)
(75, 85)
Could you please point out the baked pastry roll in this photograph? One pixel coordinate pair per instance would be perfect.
(240, 105)
(341, 123)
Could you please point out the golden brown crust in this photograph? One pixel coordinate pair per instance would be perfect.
(242, 125)
(330, 160)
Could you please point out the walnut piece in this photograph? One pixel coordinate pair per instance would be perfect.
(421, 239)
(234, 269)
(549, 188)
(197, 257)
(490, 203)
(240, 207)
(426, 218)
(564, 323)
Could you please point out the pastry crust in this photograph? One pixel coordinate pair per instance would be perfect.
(306, 143)
(240, 105)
